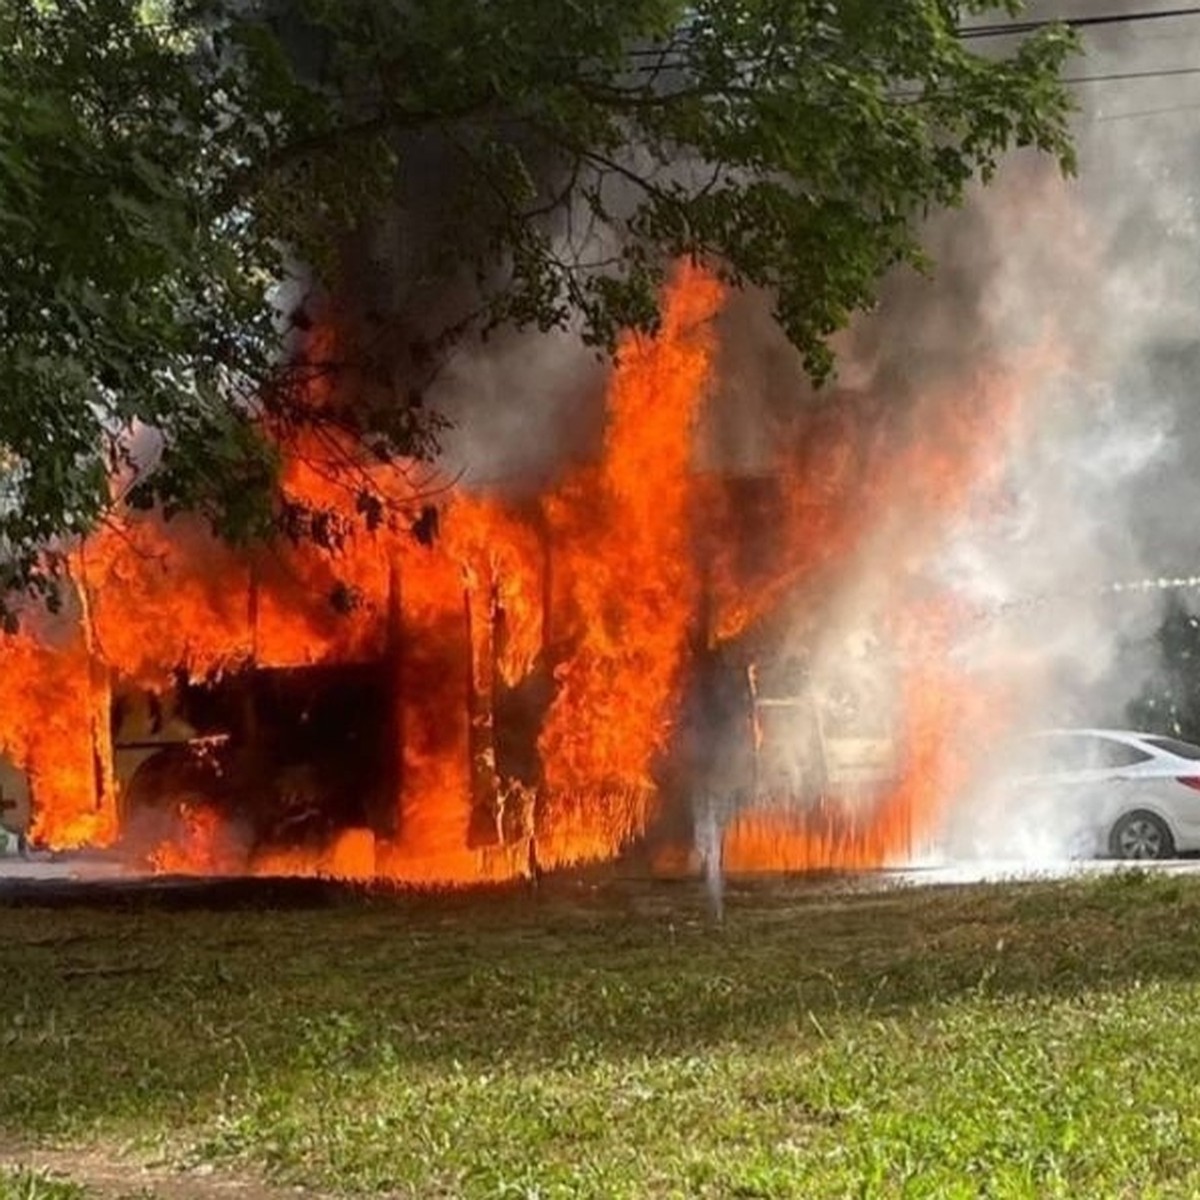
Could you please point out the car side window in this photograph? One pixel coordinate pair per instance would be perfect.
(1176, 747)
(1059, 753)
(1119, 754)
(1062, 753)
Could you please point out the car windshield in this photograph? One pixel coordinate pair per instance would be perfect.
(1174, 746)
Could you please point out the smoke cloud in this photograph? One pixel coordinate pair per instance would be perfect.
(1081, 298)
(1097, 275)
(1014, 432)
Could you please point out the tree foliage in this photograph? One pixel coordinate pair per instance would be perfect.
(1170, 700)
(134, 298)
(163, 167)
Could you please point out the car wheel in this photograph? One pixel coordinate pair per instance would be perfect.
(1141, 835)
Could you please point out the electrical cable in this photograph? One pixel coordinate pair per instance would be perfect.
(1162, 73)
(1143, 112)
(1009, 28)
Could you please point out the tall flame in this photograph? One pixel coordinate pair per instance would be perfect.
(593, 598)
(624, 583)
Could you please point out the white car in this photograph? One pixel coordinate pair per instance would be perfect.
(1107, 792)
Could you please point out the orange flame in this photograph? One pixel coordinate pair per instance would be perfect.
(603, 590)
(625, 589)
(47, 727)
(946, 720)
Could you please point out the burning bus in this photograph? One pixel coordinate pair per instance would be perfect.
(509, 684)
(262, 758)
(292, 754)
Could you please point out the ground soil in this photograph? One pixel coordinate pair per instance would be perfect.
(110, 1174)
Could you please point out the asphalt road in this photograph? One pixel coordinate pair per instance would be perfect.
(60, 869)
(92, 874)
(999, 870)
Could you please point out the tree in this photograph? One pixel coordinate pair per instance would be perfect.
(163, 167)
(1170, 701)
(132, 298)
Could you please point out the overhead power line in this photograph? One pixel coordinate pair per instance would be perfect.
(1108, 77)
(669, 57)
(1013, 27)
(1105, 118)
(999, 29)
(1161, 73)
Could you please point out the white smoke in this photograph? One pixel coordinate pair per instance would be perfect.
(1086, 292)
(1101, 483)
(519, 409)
(1096, 281)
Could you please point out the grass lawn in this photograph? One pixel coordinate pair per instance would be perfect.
(1035, 1040)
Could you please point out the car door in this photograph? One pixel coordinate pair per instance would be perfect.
(1167, 784)
(1074, 786)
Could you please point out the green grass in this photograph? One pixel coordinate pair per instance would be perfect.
(33, 1185)
(1011, 1041)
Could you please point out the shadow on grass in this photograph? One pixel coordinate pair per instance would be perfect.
(121, 1002)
